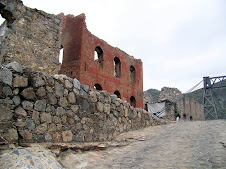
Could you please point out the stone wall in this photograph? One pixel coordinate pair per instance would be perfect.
(190, 109)
(36, 107)
(29, 36)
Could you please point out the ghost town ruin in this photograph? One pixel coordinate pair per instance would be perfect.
(112, 70)
(39, 105)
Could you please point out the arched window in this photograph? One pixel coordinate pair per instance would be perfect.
(117, 93)
(117, 67)
(99, 56)
(133, 101)
(97, 87)
(132, 74)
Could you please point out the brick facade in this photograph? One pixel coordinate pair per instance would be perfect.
(114, 71)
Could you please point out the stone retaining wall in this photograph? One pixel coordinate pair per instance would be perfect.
(36, 107)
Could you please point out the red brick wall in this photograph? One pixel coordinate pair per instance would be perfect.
(83, 39)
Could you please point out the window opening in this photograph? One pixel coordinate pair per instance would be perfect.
(133, 101)
(9, 19)
(61, 55)
(97, 87)
(99, 56)
(117, 67)
(3, 26)
(95, 55)
(117, 93)
(132, 74)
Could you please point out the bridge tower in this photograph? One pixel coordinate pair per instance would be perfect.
(209, 99)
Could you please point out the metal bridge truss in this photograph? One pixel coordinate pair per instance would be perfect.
(209, 99)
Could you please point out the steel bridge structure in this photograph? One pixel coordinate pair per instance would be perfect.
(211, 111)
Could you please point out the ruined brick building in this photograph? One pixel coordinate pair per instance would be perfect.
(99, 65)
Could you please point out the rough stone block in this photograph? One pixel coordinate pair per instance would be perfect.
(26, 134)
(68, 84)
(40, 105)
(6, 76)
(93, 96)
(41, 92)
(51, 99)
(17, 67)
(20, 81)
(48, 137)
(46, 118)
(70, 113)
(27, 105)
(30, 124)
(36, 79)
(85, 88)
(88, 138)
(107, 108)
(85, 105)
(71, 98)
(28, 93)
(56, 137)
(76, 84)
(59, 90)
(20, 112)
(11, 135)
(71, 121)
(67, 136)
(63, 102)
(16, 100)
(52, 127)
(6, 114)
(74, 108)
(41, 129)
(100, 106)
(7, 91)
(60, 111)
(126, 112)
(35, 117)
(20, 123)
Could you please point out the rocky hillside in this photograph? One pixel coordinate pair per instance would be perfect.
(151, 95)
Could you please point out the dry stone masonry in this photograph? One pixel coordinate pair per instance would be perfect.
(29, 36)
(36, 107)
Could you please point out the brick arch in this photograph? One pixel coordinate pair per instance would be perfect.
(99, 56)
(117, 67)
(132, 101)
(97, 86)
(117, 93)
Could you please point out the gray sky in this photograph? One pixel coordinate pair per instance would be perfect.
(179, 41)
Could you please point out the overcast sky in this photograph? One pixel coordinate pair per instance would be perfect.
(179, 41)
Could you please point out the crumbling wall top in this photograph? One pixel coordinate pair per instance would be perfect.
(30, 37)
